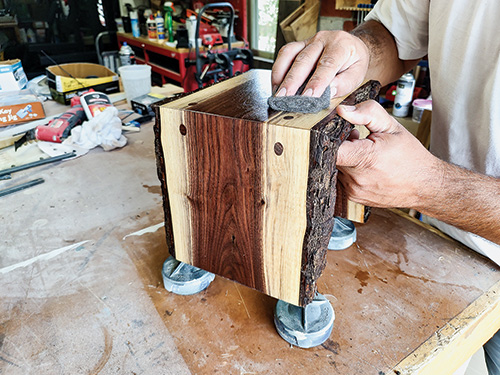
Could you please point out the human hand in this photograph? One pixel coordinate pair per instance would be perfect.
(389, 168)
(337, 58)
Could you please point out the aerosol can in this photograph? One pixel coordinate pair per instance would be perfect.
(404, 95)
(127, 55)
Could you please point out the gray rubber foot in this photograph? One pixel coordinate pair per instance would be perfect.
(184, 279)
(343, 234)
(305, 327)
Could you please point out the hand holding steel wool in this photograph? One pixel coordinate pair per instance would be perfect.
(390, 168)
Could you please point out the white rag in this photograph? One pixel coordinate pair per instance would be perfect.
(103, 130)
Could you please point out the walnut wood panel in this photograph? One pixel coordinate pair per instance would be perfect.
(250, 191)
(224, 167)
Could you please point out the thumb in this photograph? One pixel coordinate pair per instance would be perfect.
(353, 153)
(372, 115)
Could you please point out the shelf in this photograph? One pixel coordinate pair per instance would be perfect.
(168, 62)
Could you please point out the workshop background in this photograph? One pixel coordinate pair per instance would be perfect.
(82, 242)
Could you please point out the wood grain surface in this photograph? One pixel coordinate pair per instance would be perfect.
(250, 191)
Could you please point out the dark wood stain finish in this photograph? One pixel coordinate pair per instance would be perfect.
(246, 101)
(224, 159)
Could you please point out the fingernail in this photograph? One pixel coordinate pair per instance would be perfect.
(348, 108)
(333, 91)
(308, 92)
(274, 89)
(282, 92)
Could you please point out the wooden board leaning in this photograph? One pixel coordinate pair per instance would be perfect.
(249, 193)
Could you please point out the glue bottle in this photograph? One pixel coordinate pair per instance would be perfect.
(160, 27)
(168, 7)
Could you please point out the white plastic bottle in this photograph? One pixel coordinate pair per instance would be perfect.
(127, 55)
(160, 27)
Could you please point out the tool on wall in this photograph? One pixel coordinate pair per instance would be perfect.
(213, 66)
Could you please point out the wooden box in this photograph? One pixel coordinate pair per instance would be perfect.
(249, 193)
(302, 23)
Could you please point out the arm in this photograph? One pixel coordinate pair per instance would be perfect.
(339, 59)
(390, 168)
(385, 66)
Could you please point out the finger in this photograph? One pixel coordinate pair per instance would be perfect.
(284, 61)
(348, 80)
(345, 181)
(329, 64)
(354, 135)
(334, 59)
(372, 115)
(301, 69)
(353, 153)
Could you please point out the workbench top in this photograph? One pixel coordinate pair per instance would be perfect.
(81, 288)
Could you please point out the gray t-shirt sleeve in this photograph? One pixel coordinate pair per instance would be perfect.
(408, 22)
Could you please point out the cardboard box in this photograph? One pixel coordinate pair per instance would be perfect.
(20, 106)
(12, 76)
(68, 80)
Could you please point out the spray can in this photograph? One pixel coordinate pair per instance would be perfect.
(404, 95)
(151, 24)
(160, 27)
(134, 21)
(168, 7)
(127, 55)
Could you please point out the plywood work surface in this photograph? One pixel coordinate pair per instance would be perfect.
(81, 289)
(399, 287)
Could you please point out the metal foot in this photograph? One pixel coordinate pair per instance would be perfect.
(343, 234)
(305, 327)
(184, 279)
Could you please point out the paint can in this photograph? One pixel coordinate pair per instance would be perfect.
(404, 95)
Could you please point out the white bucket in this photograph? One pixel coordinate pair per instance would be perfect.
(136, 80)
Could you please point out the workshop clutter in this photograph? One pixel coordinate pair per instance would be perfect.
(194, 45)
(104, 130)
(136, 80)
(19, 106)
(92, 121)
(12, 76)
(68, 80)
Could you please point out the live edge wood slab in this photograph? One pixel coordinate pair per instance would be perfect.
(249, 193)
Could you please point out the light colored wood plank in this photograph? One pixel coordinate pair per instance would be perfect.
(356, 211)
(285, 188)
(176, 162)
(302, 23)
(448, 348)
